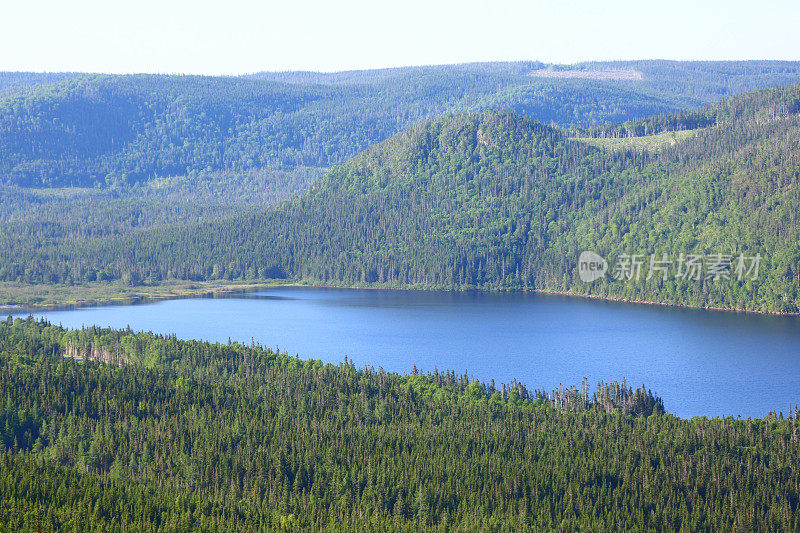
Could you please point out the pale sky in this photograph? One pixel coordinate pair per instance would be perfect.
(238, 36)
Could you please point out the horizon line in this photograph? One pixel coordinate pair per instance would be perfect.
(398, 67)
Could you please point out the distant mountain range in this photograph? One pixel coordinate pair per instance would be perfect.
(495, 200)
(113, 130)
(489, 176)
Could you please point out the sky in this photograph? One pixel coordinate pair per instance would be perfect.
(237, 37)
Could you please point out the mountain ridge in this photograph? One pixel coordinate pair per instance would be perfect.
(402, 191)
(494, 200)
(102, 130)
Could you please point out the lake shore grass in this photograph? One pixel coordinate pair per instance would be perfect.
(15, 296)
(41, 297)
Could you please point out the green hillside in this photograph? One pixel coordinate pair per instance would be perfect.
(494, 200)
(481, 199)
(186, 435)
(97, 130)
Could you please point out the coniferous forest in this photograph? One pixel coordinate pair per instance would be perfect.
(482, 176)
(107, 429)
(475, 199)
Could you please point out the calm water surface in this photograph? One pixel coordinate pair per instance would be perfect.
(700, 362)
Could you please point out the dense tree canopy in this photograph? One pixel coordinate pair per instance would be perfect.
(169, 434)
(496, 200)
(492, 176)
(93, 130)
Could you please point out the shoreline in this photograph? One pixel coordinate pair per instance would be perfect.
(665, 304)
(82, 296)
(182, 290)
(547, 292)
(614, 299)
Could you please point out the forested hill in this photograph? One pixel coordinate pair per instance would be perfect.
(151, 433)
(95, 130)
(705, 81)
(14, 81)
(487, 199)
(495, 200)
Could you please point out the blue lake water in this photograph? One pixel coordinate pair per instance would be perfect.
(708, 363)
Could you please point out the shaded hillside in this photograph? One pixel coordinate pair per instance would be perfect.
(14, 81)
(494, 200)
(96, 130)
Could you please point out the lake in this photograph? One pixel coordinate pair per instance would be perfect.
(700, 362)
